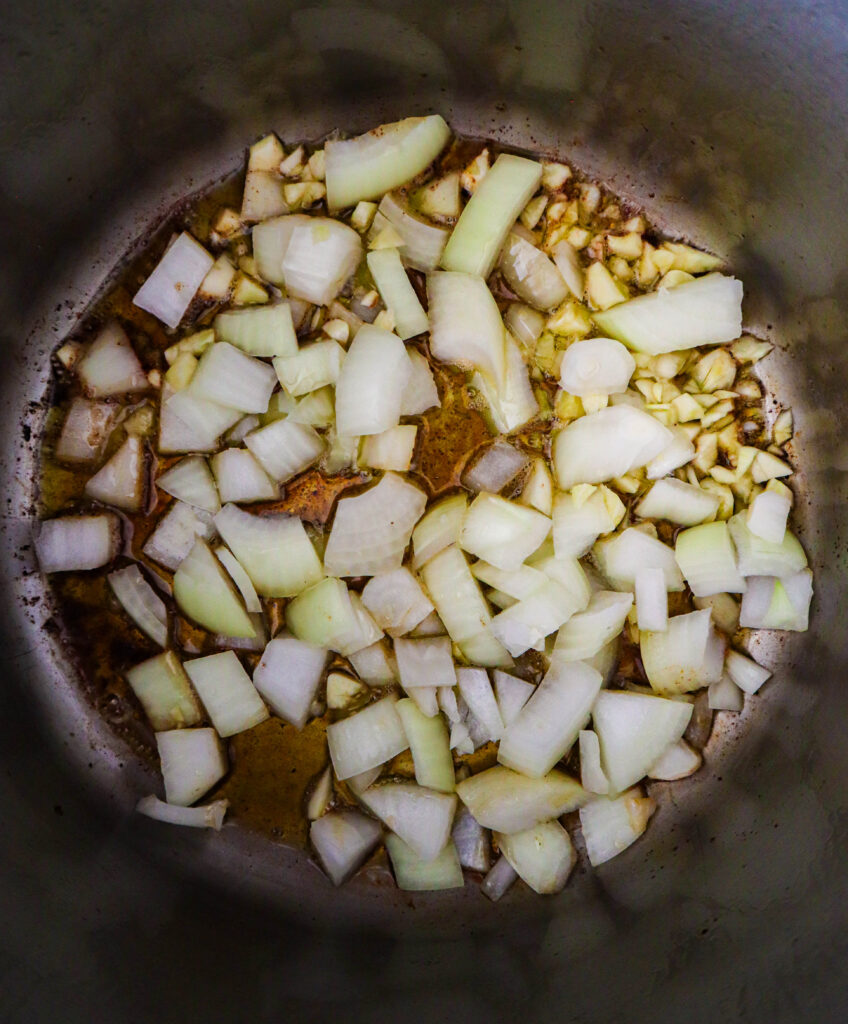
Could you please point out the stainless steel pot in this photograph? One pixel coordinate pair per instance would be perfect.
(727, 121)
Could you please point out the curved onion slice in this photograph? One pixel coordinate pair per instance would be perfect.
(502, 799)
(531, 274)
(588, 631)
(230, 698)
(687, 655)
(622, 557)
(205, 593)
(465, 324)
(121, 482)
(422, 243)
(343, 840)
(369, 391)
(321, 255)
(610, 826)
(141, 602)
(596, 366)
(190, 480)
(207, 816)
(288, 676)
(542, 856)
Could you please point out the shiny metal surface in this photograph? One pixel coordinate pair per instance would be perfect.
(728, 123)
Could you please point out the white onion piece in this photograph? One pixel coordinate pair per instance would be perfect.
(176, 533)
(592, 775)
(609, 826)
(490, 213)
(460, 739)
(428, 742)
(651, 599)
(707, 559)
(606, 444)
(526, 624)
(422, 242)
(285, 448)
(596, 366)
(678, 762)
(725, 611)
(317, 409)
(465, 325)
(447, 701)
(477, 693)
(312, 367)
(288, 676)
(413, 874)
(456, 595)
(227, 376)
(230, 698)
(427, 699)
(771, 603)
(678, 452)
(420, 392)
(270, 242)
(621, 557)
(498, 880)
(375, 665)
(471, 841)
(606, 660)
(189, 423)
(205, 593)
(207, 816)
(85, 431)
(426, 662)
(397, 293)
(275, 550)
(141, 602)
(359, 783)
(538, 490)
(760, 557)
(725, 695)
(530, 273)
(262, 196)
(499, 464)
(396, 601)
(110, 365)
(689, 654)
(588, 631)
(264, 331)
(77, 543)
(512, 403)
(576, 526)
(391, 450)
(343, 840)
(746, 673)
(322, 613)
(431, 626)
(121, 481)
(524, 324)
(321, 255)
(438, 528)
(242, 581)
(517, 583)
(170, 289)
(502, 532)
(370, 532)
(543, 856)
(190, 480)
(485, 649)
(367, 166)
(192, 761)
(678, 502)
(706, 311)
(634, 731)
(508, 802)
(421, 817)
(163, 690)
(567, 572)
(240, 478)
(568, 264)
(512, 694)
(767, 516)
(371, 383)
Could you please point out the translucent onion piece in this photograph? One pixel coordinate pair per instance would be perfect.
(599, 366)
(413, 874)
(568, 264)
(241, 580)
(396, 601)
(499, 464)
(369, 391)
(526, 624)
(456, 595)
(141, 602)
(677, 453)
(169, 290)
(397, 293)
(725, 611)
(190, 480)
(538, 490)
(512, 694)
(576, 526)
(502, 532)
(543, 856)
(343, 840)
(285, 448)
(176, 533)
(121, 481)
(609, 826)
(746, 673)
(110, 365)
(227, 376)
(310, 368)
(725, 695)
(425, 662)
(240, 478)
(678, 762)
(192, 761)
(513, 404)
(592, 775)
(265, 331)
(498, 880)
(77, 543)
(477, 693)
(188, 423)
(163, 690)
(420, 393)
(375, 665)
(429, 743)
(678, 502)
(707, 559)
(767, 516)
(621, 557)
(771, 603)
(687, 655)
(523, 323)
(370, 532)
(322, 614)
(270, 242)
(759, 557)
(288, 676)
(421, 817)
(391, 450)
(204, 592)
(421, 242)
(465, 325)
(230, 698)
(321, 255)
(503, 800)
(438, 529)
(531, 274)
(588, 631)
(85, 431)
(207, 816)
(471, 841)
(651, 599)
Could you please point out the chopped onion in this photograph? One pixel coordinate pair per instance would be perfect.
(370, 387)
(359, 783)
(543, 855)
(607, 444)
(188, 423)
(241, 580)
(285, 448)
(110, 365)
(414, 874)
(170, 289)
(288, 676)
(375, 665)
(175, 534)
(141, 602)
(621, 557)
(707, 559)
(440, 198)
(678, 502)
(190, 480)
(503, 800)
(275, 550)
(465, 325)
(163, 690)
(344, 692)
(207, 816)
(592, 775)
(426, 662)
(747, 674)
(530, 273)
(192, 761)
(588, 631)
(343, 840)
(634, 731)
(678, 762)
(397, 293)
(477, 693)
(547, 726)
(240, 477)
(498, 880)
(513, 404)
(317, 409)
(421, 817)
(517, 583)
(77, 543)
(706, 311)
(596, 366)
(760, 557)
(427, 699)
(230, 698)
(392, 450)
(609, 826)
(312, 367)
(568, 264)
(577, 525)
(204, 592)
(121, 481)
(471, 841)
(689, 654)
(370, 532)
(526, 624)
(227, 376)
(486, 220)
(771, 603)
(265, 331)
(438, 529)
(428, 741)
(323, 614)
(85, 431)
(651, 599)
(421, 243)
(725, 695)
(502, 532)
(485, 649)
(321, 255)
(420, 392)
(524, 324)
(271, 240)
(678, 452)
(767, 516)
(725, 611)
(512, 694)
(538, 490)
(396, 601)
(367, 166)
(456, 595)
(499, 465)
